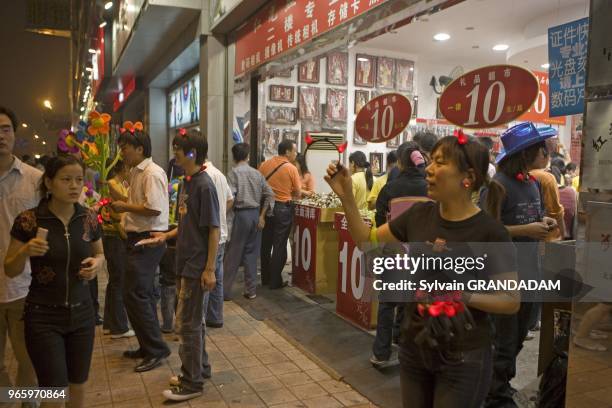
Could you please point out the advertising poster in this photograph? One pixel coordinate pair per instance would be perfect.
(567, 56)
(597, 136)
(185, 103)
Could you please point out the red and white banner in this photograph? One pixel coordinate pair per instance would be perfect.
(489, 96)
(354, 291)
(304, 262)
(287, 24)
(539, 112)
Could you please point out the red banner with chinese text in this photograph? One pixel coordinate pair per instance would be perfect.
(304, 262)
(286, 24)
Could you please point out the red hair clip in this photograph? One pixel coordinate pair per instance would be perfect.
(461, 137)
(182, 132)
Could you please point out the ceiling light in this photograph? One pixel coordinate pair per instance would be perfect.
(47, 104)
(441, 37)
(102, 24)
(108, 5)
(500, 47)
(362, 59)
(82, 108)
(35, 136)
(25, 125)
(545, 66)
(43, 142)
(37, 156)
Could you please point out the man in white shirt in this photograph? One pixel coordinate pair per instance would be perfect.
(213, 304)
(19, 191)
(146, 211)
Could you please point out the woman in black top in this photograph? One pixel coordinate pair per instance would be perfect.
(455, 373)
(59, 315)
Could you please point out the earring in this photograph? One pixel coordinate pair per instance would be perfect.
(466, 183)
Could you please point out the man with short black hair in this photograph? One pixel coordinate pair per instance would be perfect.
(19, 184)
(147, 212)
(284, 179)
(197, 240)
(249, 188)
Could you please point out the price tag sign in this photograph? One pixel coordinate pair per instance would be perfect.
(489, 96)
(539, 112)
(304, 247)
(354, 291)
(383, 118)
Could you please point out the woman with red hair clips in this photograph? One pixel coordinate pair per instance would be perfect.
(454, 372)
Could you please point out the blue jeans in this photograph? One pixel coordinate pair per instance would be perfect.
(213, 303)
(274, 244)
(387, 328)
(192, 333)
(428, 381)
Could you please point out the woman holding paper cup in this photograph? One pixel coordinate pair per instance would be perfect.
(62, 240)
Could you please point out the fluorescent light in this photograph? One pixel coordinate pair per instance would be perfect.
(102, 24)
(441, 37)
(545, 66)
(47, 104)
(500, 47)
(108, 5)
(92, 51)
(362, 59)
(25, 125)
(37, 156)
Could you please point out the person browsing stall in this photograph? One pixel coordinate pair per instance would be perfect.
(284, 179)
(308, 184)
(62, 241)
(146, 211)
(381, 181)
(455, 372)
(361, 175)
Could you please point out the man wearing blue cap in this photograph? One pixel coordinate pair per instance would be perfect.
(514, 197)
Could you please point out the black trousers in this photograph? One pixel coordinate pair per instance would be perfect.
(274, 244)
(139, 295)
(115, 316)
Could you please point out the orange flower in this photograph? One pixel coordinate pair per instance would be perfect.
(132, 127)
(99, 123)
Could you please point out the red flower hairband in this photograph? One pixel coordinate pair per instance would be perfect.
(182, 132)
(129, 126)
(340, 148)
(461, 137)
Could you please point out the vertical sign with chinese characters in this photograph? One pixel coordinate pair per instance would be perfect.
(286, 24)
(304, 262)
(567, 56)
(597, 154)
(354, 290)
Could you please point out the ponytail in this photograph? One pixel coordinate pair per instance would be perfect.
(496, 193)
(368, 176)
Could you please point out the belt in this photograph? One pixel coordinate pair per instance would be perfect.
(283, 203)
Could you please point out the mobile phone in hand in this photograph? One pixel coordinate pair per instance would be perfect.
(41, 233)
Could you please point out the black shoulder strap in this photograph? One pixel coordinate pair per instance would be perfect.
(275, 170)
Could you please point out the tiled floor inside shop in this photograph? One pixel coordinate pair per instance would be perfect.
(253, 366)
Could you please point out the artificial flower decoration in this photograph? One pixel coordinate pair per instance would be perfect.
(81, 132)
(131, 127)
(89, 189)
(342, 147)
(99, 123)
(183, 132)
(65, 142)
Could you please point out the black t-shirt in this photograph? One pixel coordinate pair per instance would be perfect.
(427, 232)
(198, 209)
(55, 279)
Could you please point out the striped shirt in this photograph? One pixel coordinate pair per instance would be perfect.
(249, 187)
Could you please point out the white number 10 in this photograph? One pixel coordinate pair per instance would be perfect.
(486, 111)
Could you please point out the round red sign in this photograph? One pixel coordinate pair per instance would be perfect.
(489, 96)
(383, 118)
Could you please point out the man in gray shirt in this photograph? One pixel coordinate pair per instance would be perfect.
(249, 187)
(19, 191)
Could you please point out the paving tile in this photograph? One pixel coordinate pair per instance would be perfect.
(318, 375)
(283, 368)
(293, 404)
(96, 398)
(322, 402)
(199, 403)
(226, 377)
(265, 384)
(251, 373)
(350, 398)
(334, 387)
(305, 364)
(244, 362)
(128, 393)
(292, 379)
(277, 396)
(235, 389)
(273, 357)
(308, 391)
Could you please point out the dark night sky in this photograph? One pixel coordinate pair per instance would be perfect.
(33, 67)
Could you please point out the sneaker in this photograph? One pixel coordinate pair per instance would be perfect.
(127, 334)
(378, 363)
(249, 296)
(530, 336)
(180, 393)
